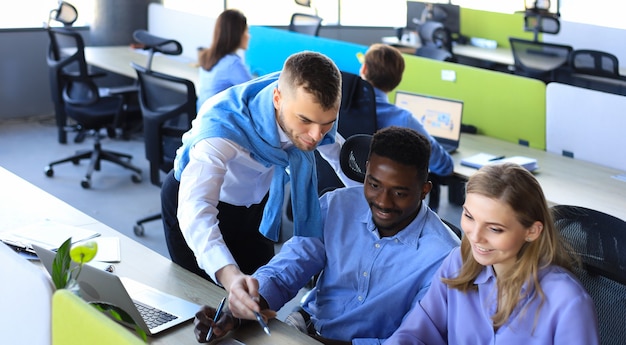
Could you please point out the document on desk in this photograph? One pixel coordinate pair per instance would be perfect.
(481, 159)
(47, 234)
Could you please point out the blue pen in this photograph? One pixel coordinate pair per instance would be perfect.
(496, 158)
(218, 313)
(259, 318)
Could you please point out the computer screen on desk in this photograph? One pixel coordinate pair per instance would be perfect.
(441, 117)
(449, 15)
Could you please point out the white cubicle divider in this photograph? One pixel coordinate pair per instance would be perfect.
(588, 36)
(586, 124)
(191, 30)
(26, 300)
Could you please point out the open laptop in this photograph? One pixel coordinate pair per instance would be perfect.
(140, 301)
(441, 117)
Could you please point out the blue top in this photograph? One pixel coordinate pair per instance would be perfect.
(229, 71)
(245, 114)
(388, 114)
(449, 316)
(368, 283)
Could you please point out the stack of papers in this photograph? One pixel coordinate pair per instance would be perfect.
(478, 160)
(47, 234)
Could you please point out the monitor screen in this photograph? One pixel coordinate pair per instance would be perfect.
(418, 12)
(440, 117)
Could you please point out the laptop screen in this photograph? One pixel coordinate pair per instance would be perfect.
(440, 117)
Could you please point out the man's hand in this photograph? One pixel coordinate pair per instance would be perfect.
(204, 320)
(244, 298)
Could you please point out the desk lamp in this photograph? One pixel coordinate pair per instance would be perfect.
(66, 14)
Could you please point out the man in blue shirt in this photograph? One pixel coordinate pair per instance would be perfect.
(382, 67)
(380, 248)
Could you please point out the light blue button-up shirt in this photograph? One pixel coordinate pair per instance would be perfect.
(449, 316)
(368, 283)
(388, 114)
(229, 71)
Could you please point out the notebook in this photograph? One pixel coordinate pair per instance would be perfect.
(140, 301)
(441, 117)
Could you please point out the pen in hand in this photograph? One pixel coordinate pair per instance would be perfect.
(262, 323)
(218, 313)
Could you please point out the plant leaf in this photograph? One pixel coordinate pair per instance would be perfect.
(61, 265)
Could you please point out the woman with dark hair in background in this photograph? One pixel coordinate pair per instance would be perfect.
(220, 66)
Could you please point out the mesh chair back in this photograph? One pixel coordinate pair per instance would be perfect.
(307, 24)
(538, 58)
(594, 62)
(599, 240)
(168, 105)
(353, 156)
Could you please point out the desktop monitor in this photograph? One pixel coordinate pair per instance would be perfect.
(447, 14)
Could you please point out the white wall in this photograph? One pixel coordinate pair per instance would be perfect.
(191, 30)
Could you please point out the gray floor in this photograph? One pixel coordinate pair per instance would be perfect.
(28, 145)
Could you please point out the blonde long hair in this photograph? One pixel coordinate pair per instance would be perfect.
(515, 186)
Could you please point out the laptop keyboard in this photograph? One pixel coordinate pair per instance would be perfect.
(152, 316)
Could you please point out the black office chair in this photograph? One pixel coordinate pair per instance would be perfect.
(357, 115)
(60, 67)
(594, 62)
(436, 42)
(92, 108)
(599, 240)
(307, 24)
(538, 60)
(168, 104)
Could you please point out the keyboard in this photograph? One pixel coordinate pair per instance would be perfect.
(152, 316)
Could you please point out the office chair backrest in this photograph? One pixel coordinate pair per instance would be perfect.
(594, 62)
(65, 50)
(307, 24)
(168, 105)
(157, 44)
(599, 240)
(353, 156)
(357, 113)
(538, 59)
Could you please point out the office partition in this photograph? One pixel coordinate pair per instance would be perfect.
(501, 105)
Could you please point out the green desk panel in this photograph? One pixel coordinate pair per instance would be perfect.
(493, 25)
(500, 105)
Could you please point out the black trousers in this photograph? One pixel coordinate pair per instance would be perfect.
(239, 226)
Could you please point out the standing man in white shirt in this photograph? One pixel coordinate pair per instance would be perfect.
(222, 203)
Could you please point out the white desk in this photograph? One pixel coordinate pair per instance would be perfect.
(117, 59)
(499, 55)
(24, 203)
(564, 180)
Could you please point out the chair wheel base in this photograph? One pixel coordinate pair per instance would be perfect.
(85, 183)
(48, 171)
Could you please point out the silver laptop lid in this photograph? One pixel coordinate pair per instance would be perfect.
(98, 285)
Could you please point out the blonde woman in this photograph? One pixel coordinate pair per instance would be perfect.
(509, 282)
